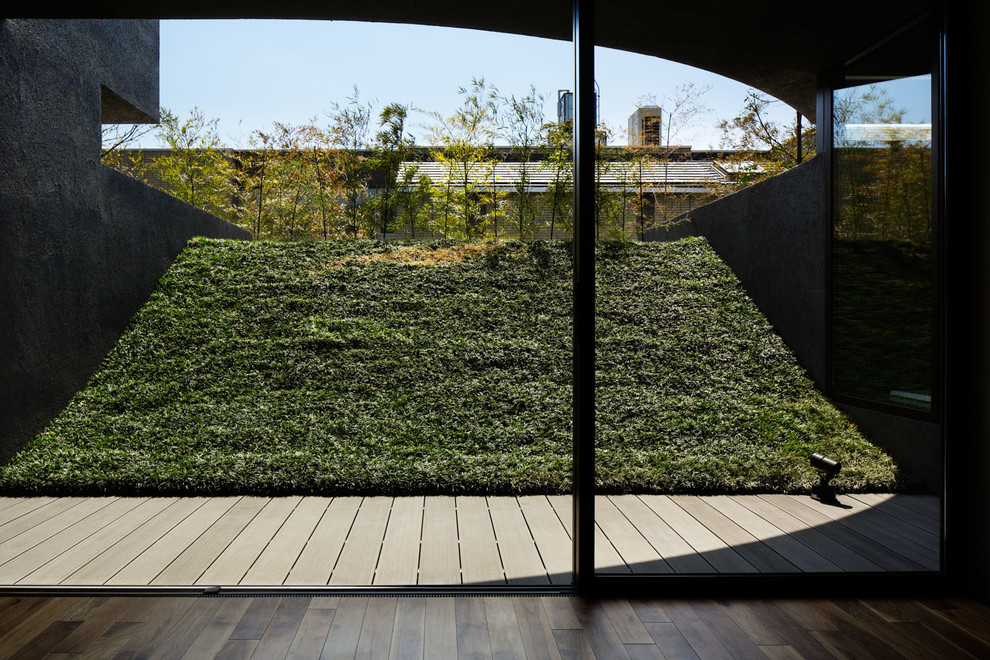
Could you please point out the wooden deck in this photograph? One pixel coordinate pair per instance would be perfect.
(350, 541)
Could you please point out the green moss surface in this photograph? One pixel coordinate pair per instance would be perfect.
(366, 367)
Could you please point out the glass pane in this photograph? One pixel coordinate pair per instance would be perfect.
(381, 379)
(882, 266)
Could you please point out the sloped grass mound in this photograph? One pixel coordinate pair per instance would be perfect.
(367, 367)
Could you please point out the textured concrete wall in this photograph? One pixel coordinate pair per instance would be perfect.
(81, 246)
(772, 235)
(916, 444)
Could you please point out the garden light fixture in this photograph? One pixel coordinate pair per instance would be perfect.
(823, 491)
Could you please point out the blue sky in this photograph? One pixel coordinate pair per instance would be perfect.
(249, 73)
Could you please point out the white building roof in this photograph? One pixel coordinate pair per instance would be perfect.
(888, 132)
(686, 176)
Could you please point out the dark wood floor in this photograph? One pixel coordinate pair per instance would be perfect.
(273, 627)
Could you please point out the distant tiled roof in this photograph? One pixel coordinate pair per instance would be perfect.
(688, 176)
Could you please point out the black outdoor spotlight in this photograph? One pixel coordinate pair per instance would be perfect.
(823, 491)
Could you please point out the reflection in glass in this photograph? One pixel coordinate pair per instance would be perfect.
(882, 271)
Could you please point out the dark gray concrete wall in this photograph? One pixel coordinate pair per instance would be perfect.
(915, 443)
(81, 246)
(773, 236)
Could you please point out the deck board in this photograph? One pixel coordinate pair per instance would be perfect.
(803, 557)
(67, 563)
(106, 564)
(902, 537)
(278, 558)
(29, 530)
(65, 540)
(628, 541)
(439, 540)
(607, 559)
(843, 557)
(194, 560)
(681, 557)
(521, 560)
(146, 566)
(237, 558)
(764, 558)
(551, 537)
(399, 557)
(480, 560)
(15, 507)
(359, 557)
(901, 506)
(705, 541)
(862, 541)
(439, 555)
(318, 558)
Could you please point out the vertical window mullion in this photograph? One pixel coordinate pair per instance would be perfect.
(584, 294)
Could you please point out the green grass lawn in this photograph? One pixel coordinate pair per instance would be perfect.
(367, 367)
